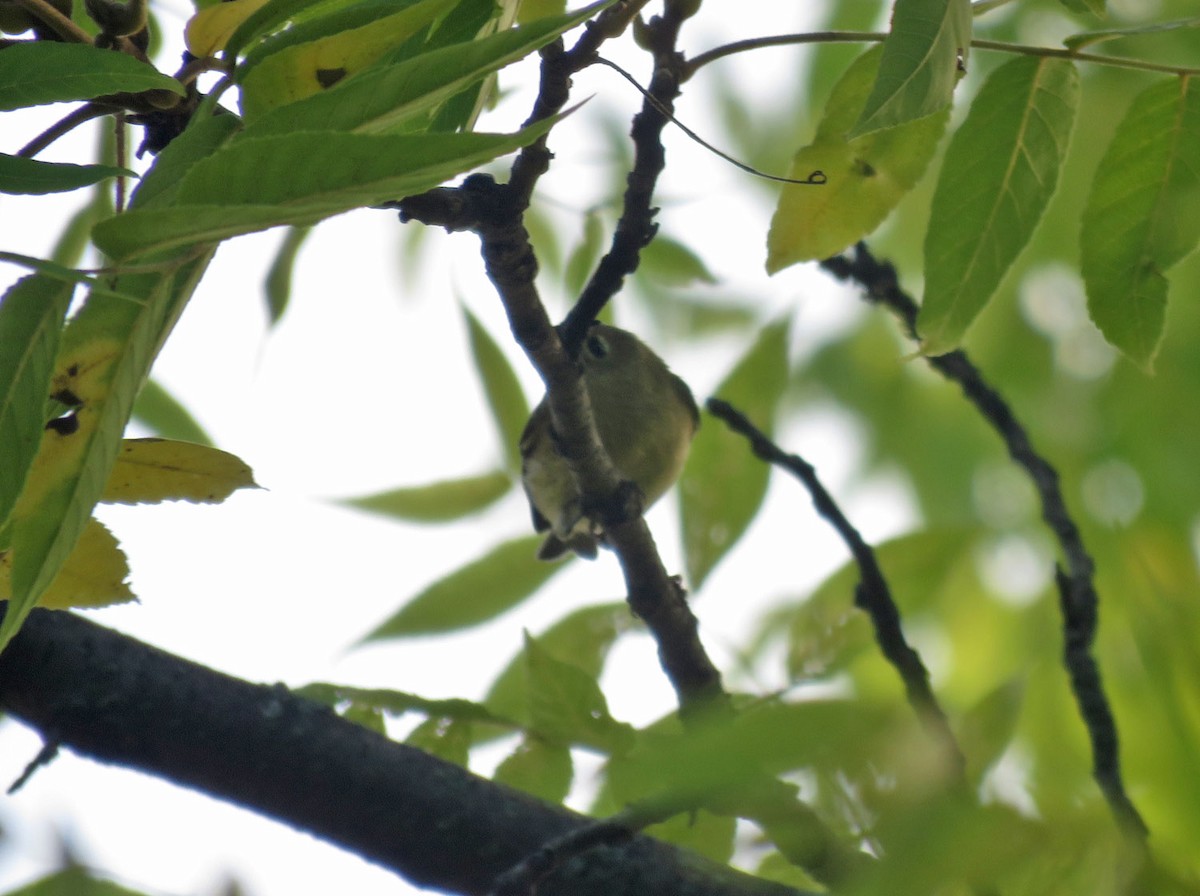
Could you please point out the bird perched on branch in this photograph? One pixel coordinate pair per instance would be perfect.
(646, 417)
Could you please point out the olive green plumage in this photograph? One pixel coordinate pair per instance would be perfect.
(646, 418)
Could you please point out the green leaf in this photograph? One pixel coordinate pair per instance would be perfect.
(447, 739)
(1143, 216)
(505, 397)
(471, 21)
(529, 10)
(160, 412)
(583, 638)
(204, 136)
(397, 703)
(723, 484)
(566, 705)
(106, 354)
(278, 285)
(32, 177)
(479, 591)
(75, 237)
(73, 881)
(388, 96)
(371, 719)
(1090, 38)
(300, 179)
(866, 177)
(33, 73)
(282, 75)
(773, 737)
(31, 318)
(545, 238)
(148, 471)
(299, 22)
(671, 262)
(920, 64)
(536, 767)
(55, 271)
(438, 502)
(1086, 7)
(827, 633)
(712, 836)
(266, 18)
(776, 867)
(1001, 169)
(986, 729)
(585, 254)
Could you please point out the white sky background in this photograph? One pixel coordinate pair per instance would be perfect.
(275, 584)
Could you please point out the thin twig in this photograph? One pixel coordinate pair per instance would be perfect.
(780, 40)
(62, 127)
(1098, 59)
(1077, 593)
(825, 37)
(872, 594)
(816, 178)
(61, 25)
(120, 133)
(47, 754)
(193, 68)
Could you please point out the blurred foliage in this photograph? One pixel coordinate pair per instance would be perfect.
(973, 577)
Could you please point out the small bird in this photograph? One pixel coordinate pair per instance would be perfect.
(646, 417)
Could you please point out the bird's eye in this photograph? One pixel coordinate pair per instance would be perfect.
(597, 346)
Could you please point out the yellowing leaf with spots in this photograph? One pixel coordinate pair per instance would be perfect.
(93, 575)
(864, 178)
(153, 470)
(105, 354)
(210, 28)
(307, 68)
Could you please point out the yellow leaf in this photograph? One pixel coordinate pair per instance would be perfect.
(864, 177)
(305, 69)
(93, 575)
(83, 383)
(210, 28)
(152, 470)
(532, 10)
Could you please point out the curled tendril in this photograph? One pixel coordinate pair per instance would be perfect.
(815, 178)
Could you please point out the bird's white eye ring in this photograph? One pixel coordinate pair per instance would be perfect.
(597, 346)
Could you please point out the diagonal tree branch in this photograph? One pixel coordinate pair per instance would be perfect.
(1077, 593)
(495, 213)
(104, 695)
(872, 593)
(636, 227)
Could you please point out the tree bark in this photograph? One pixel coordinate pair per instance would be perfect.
(117, 700)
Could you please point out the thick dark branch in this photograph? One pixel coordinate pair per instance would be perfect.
(116, 700)
(872, 593)
(1077, 593)
(636, 227)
